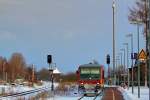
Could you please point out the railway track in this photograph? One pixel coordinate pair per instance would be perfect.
(39, 90)
(94, 97)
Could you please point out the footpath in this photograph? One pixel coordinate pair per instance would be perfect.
(112, 93)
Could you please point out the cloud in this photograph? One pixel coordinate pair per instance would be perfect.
(5, 35)
(68, 35)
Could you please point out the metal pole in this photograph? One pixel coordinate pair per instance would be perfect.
(52, 81)
(117, 65)
(128, 65)
(127, 62)
(132, 62)
(51, 75)
(138, 62)
(121, 58)
(108, 74)
(113, 7)
(138, 22)
(124, 65)
(121, 61)
(131, 35)
(116, 71)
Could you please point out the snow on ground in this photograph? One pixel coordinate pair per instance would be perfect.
(13, 89)
(63, 98)
(22, 88)
(72, 98)
(71, 94)
(127, 93)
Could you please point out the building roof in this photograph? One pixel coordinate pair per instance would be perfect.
(56, 71)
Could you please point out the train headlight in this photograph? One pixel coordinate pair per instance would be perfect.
(98, 83)
(82, 83)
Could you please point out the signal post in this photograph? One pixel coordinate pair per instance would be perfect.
(108, 62)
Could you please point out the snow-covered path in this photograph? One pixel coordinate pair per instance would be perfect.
(144, 93)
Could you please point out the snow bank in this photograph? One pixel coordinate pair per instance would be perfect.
(126, 94)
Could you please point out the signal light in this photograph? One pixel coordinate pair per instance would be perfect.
(49, 59)
(108, 59)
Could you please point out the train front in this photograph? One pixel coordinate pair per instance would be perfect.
(90, 78)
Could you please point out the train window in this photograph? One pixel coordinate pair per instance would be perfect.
(90, 73)
(95, 71)
(85, 71)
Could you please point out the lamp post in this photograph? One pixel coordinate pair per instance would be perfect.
(117, 68)
(138, 23)
(120, 58)
(121, 61)
(124, 64)
(113, 8)
(124, 59)
(131, 36)
(126, 44)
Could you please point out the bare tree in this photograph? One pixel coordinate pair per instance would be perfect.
(139, 12)
(17, 66)
(44, 74)
(1, 66)
(28, 74)
(3, 61)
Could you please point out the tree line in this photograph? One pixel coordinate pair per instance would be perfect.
(17, 68)
(14, 68)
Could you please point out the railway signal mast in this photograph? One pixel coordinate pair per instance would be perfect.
(108, 62)
(51, 69)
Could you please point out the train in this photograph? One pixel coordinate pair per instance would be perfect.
(90, 78)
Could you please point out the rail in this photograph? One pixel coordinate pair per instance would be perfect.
(25, 92)
(94, 97)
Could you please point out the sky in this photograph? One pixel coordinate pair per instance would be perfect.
(74, 32)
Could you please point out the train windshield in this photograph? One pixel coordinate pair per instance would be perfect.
(89, 73)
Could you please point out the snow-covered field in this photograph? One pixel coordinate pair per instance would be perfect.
(144, 93)
(20, 88)
(9, 89)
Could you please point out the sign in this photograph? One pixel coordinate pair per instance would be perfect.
(142, 55)
(134, 55)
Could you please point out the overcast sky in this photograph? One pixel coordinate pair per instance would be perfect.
(74, 32)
